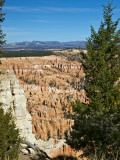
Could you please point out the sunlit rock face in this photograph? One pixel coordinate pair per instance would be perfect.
(49, 84)
(12, 96)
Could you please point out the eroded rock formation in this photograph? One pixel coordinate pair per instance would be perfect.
(50, 84)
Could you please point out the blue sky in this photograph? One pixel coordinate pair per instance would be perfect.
(53, 20)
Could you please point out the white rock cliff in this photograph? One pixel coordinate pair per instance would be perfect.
(12, 96)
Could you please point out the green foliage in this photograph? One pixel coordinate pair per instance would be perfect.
(48, 135)
(103, 157)
(59, 134)
(27, 53)
(9, 136)
(2, 41)
(96, 126)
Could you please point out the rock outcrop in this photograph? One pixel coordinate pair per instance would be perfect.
(12, 96)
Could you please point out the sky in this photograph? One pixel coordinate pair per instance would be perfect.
(53, 20)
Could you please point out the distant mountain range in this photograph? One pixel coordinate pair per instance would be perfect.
(44, 45)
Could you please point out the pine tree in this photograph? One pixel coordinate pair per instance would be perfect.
(2, 41)
(96, 128)
(9, 136)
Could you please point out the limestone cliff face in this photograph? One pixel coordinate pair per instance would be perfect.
(11, 95)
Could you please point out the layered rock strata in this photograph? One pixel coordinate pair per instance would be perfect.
(50, 84)
(12, 96)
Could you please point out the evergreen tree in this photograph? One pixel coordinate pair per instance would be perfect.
(9, 136)
(2, 41)
(96, 128)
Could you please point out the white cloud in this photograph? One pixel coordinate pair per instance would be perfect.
(13, 8)
(19, 33)
(73, 10)
(46, 21)
(50, 9)
(9, 29)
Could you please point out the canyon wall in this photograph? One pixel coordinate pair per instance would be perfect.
(50, 84)
(12, 96)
